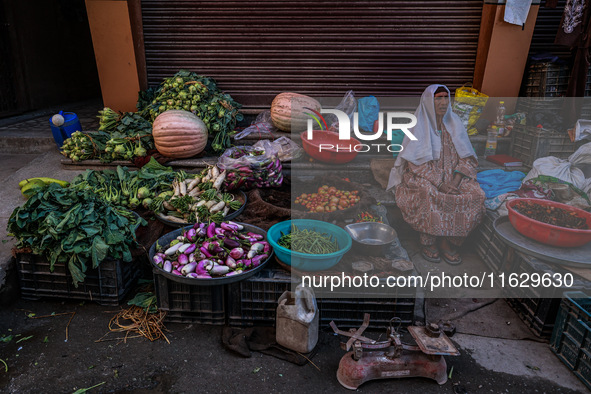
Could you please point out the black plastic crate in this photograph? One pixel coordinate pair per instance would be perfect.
(254, 302)
(529, 143)
(349, 312)
(539, 313)
(107, 285)
(490, 247)
(185, 303)
(546, 80)
(571, 338)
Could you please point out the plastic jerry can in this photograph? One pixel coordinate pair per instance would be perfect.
(297, 320)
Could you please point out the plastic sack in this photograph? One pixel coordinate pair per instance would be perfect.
(283, 147)
(368, 109)
(251, 166)
(347, 105)
(582, 129)
(582, 159)
(558, 168)
(468, 104)
(262, 126)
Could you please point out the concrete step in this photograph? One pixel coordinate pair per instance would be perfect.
(31, 132)
(17, 141)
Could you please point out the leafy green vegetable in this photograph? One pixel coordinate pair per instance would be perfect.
(146, 301)
(122, 186)
(74, 226)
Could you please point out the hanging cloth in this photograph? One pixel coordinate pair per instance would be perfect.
(573, 32)
(516, 11)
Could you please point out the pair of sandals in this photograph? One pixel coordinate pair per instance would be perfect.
(431, 254)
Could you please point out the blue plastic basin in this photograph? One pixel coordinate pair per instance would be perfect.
(304, 261)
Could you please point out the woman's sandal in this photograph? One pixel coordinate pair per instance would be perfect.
(430, 253)
(451, 257)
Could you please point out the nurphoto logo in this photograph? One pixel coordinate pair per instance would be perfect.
(344, 125)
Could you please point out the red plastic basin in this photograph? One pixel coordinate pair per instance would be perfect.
(339, 151)
(547, 233)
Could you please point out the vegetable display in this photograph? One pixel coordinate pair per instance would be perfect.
(289, 111)
(551, 215)
(368, 217)
(194, 198)
(129, 135)
(129, 188)
(308, 241)
(210, 250)
(74, 226)
(248, 167)
(200, 95)
(328, 199)
(120, 137)
(179, 134)
(32, 186)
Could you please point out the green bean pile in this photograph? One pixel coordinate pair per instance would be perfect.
(308, 241)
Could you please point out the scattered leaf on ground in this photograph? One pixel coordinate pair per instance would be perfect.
(6, 338)
(257, 369)
(31, 315)
(5, 365)
(46, 339)
(451, 371)
(24, 339)
(82, 391)
(532, 367)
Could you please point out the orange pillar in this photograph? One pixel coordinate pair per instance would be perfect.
(502, 52)
(113, 44)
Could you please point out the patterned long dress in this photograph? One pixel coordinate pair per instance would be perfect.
(432, 212)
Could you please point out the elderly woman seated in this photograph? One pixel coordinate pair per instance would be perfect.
(435, 179)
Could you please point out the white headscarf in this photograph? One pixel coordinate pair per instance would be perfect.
(427, 147)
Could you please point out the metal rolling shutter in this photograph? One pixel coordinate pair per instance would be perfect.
(545, 31)
(257, 49)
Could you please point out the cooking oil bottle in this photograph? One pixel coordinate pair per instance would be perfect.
(491, 141)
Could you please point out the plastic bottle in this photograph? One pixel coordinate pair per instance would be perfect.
(491, 141)
(500, 121)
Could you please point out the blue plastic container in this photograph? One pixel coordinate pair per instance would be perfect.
(63, 132)
(305, 261)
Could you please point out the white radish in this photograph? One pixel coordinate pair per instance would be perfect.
(195, 192)
(193, 183)
(210, 204)
(217, 207)
(219, 180)
(215, 172)
(182, 188)
(167, 205)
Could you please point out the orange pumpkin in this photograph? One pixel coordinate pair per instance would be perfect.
(179, 134)
(288, 111)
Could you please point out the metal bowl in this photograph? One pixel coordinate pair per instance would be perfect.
(371, 238)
